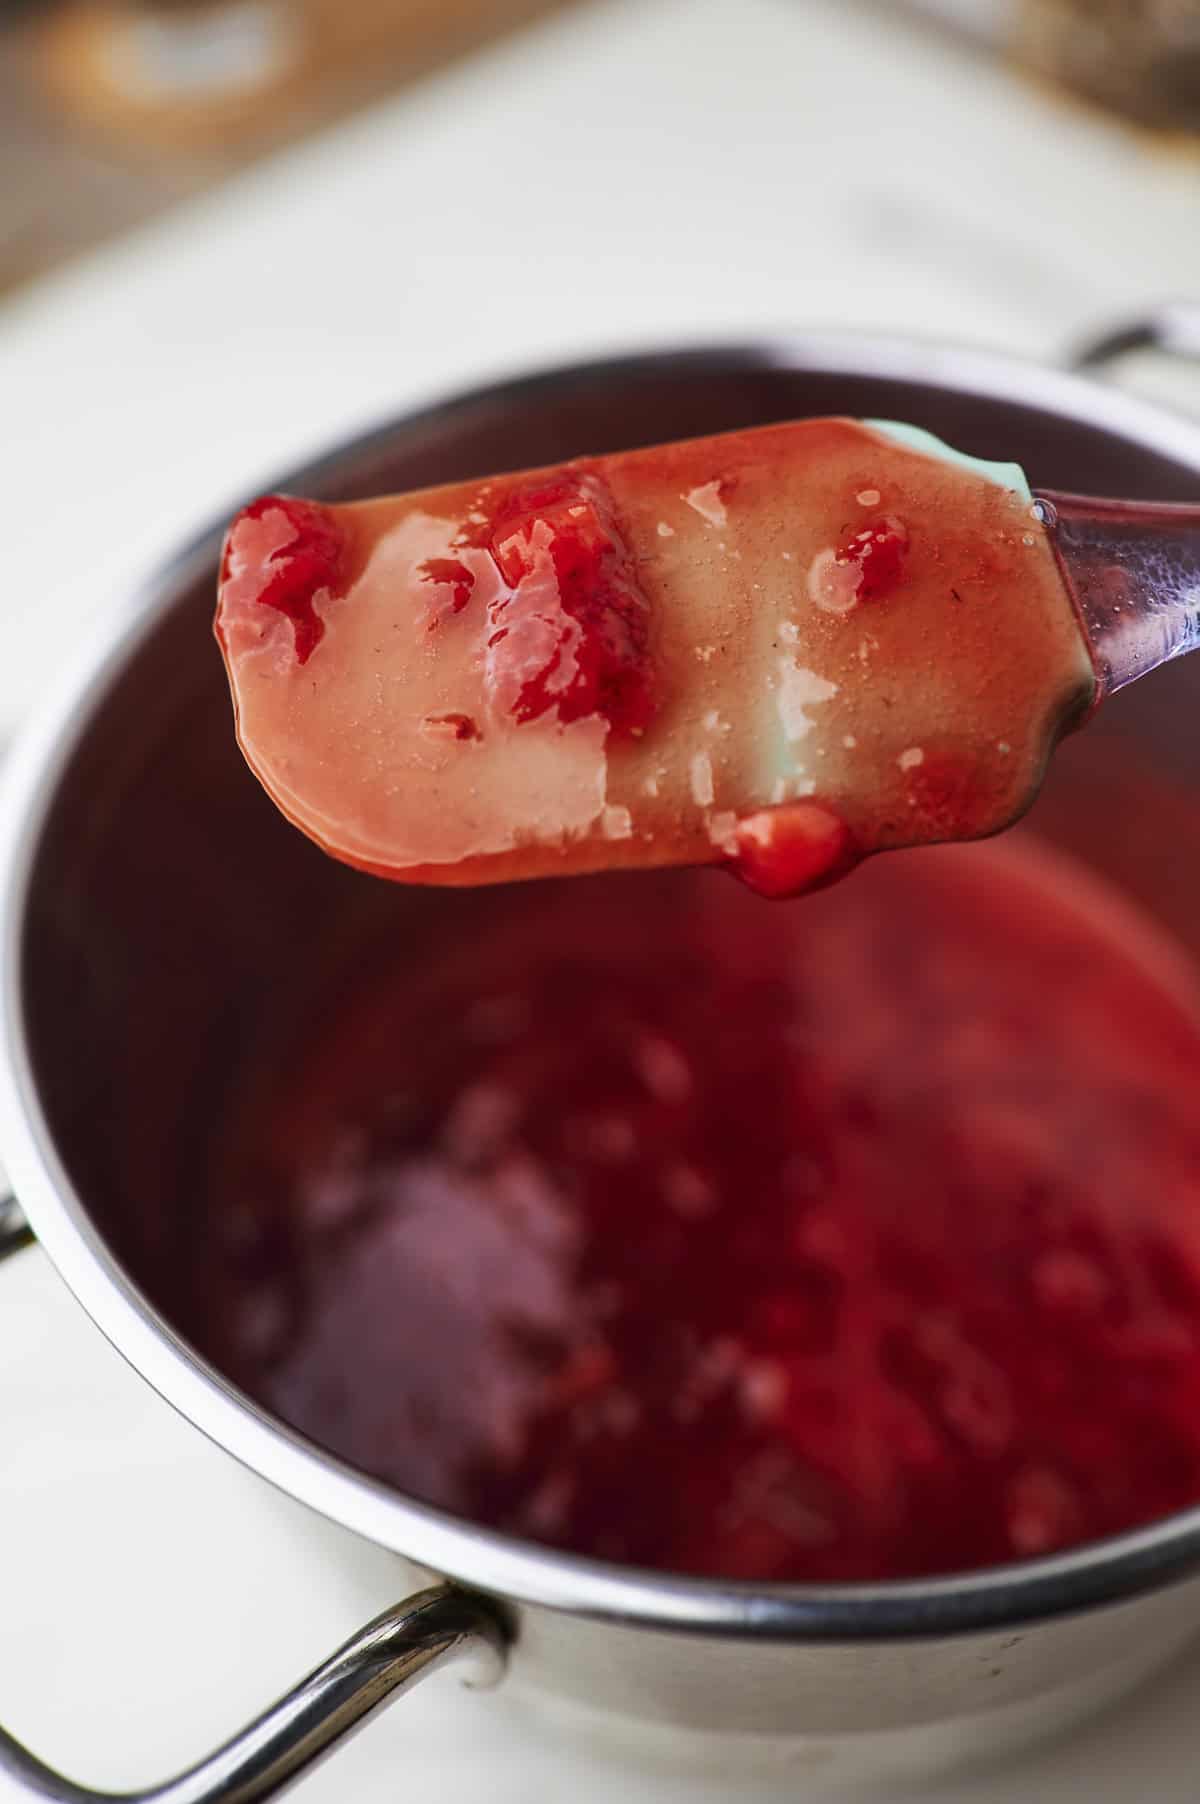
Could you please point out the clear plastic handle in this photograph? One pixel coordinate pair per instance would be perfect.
(1133, 569)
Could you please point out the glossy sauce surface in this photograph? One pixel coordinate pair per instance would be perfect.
(849, 1240)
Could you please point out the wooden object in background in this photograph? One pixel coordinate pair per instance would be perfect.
(113, 111)
(238, 76)
(1139, 59)
(1136, 57)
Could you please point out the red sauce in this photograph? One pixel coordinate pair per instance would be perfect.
(854, 1240)
(304, 565)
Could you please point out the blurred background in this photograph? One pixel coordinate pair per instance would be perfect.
(233, 229)
(115, 110)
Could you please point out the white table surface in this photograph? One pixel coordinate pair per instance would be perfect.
(637, 173)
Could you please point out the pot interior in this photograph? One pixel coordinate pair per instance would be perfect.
(172, 912)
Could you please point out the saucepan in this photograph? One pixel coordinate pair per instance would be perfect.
(146, 882)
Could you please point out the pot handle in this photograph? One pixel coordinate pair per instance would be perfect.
(1173, 329)
(381, 1661)
(385, 1658)
(15, 1231)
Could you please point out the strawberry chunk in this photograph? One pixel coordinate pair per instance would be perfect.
(301, 562)
(879, 550)
(573, 632)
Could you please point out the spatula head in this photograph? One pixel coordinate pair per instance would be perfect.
(780, 649)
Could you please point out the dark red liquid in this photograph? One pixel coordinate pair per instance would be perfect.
(849, 1239)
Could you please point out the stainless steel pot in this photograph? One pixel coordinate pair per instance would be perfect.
(144, 879)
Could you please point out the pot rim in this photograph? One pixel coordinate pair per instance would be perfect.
(486, 1560)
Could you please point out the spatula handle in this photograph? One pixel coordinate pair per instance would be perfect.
(1133, 569)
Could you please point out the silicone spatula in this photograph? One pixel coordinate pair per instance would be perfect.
(779, 649)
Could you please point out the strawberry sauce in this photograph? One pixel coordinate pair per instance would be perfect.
(853, 1240)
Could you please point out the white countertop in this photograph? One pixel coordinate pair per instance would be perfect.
(636, 173)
